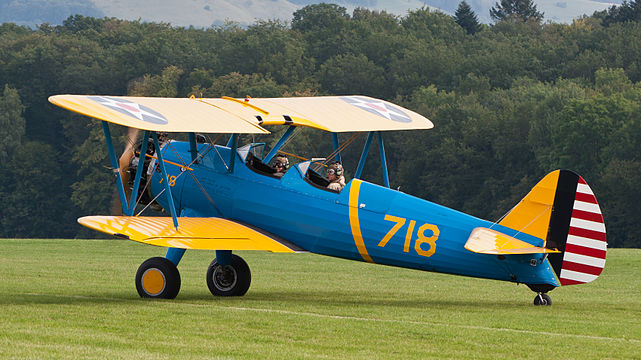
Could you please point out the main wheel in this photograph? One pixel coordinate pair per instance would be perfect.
(159, 278)
(542, 299)
(229, 280)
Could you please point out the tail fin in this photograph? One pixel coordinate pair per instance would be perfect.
(562, 210)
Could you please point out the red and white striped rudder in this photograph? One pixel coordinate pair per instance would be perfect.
(586, 246)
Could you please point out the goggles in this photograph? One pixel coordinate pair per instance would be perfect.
(331, 171)
(281, 164)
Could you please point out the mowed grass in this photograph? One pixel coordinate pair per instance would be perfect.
(76, 299)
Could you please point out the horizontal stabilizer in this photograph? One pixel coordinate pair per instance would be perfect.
(192, 233)
(488, 241)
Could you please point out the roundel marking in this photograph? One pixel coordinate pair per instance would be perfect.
(378, 107)
(132, 109)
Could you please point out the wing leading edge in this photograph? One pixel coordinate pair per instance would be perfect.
(192, 233)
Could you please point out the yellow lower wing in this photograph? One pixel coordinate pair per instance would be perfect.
(192, 233)
(488, 241)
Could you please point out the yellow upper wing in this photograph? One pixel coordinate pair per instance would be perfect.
(228, 115)
(159, 114)
(338, 113)
(192, 233)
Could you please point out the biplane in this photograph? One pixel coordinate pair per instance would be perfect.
(228, 198)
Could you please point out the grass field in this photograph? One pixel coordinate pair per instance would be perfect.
(76, 299)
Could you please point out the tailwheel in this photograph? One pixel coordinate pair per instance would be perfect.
(158, 278)
(229, 280)
(542, 299)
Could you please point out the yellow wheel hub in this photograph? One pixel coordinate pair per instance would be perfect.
(153, 281)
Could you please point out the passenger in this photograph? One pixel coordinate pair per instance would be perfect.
(281, 164)
(335, 176)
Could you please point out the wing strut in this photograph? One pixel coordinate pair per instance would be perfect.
(116, 168)
(128, 207)
(233, 145)
(361, 162)
(381, 148)
(161, 164)
(279, 144)
(337, 151)
(193, 146)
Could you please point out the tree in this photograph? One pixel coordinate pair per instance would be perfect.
(628, 11)
(239, 85)
(324, 28)
(33, 203)
(466, 18)
(12, 124)
(350, 74)
(522, 10)
(318, 17)
(163, 85)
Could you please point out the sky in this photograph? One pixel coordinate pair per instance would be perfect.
(205, 13)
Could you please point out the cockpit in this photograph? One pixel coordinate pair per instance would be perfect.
(310, 169)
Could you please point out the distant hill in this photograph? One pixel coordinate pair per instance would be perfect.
(32, 12)
(205, 13)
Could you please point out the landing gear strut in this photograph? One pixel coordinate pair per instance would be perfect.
(542, 299)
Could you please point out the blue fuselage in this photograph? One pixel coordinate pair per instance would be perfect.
(363, 222)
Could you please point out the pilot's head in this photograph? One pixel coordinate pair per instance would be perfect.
(281, 163)
(334, 171)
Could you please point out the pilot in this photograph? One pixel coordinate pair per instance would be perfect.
(281, 164)
(335, 176)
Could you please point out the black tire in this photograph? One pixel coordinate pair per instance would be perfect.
(229, 280)
(542, 299)
(158, 278)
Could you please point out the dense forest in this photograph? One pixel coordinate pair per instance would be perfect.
(510, 102)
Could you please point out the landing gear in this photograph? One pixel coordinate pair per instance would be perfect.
(158, 278)
(542, 299)
(229, 280)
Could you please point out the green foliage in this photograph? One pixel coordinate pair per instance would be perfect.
(33, 201)
(347, 74)
(238, 85)
(163, 85)
(509, 103)
(627, 11)
(515, 10)
(323, 27)
(12, 124)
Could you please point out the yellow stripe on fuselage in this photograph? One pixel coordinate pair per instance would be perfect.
(353, 220)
